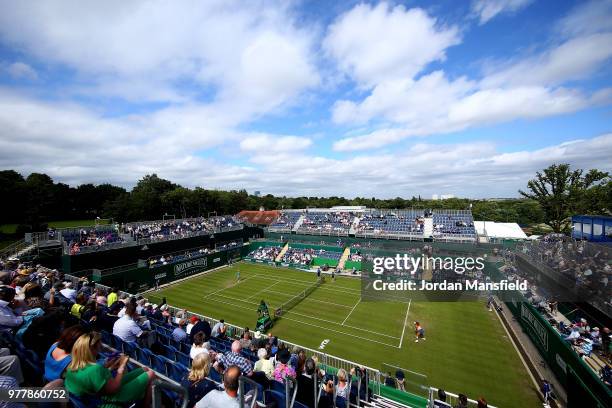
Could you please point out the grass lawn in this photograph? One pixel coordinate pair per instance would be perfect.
(466, 351)
(12, 228)
(8, 228)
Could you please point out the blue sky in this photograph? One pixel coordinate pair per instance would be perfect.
(307, 97)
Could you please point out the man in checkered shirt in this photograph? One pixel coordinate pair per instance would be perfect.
(235, 358)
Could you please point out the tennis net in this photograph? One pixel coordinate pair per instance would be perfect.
(291, 303)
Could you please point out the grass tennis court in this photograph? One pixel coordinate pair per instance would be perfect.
(466, 350)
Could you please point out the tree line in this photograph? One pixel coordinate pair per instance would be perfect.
(553, 195)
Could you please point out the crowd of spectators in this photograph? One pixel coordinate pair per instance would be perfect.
(265, 253)
(584, 338)
(286, 220)
(381, 223)
(159, 230)
(85, 237)
(300, 256)
(583, 264)
(327, 222)
(181, 256)
(449, 224)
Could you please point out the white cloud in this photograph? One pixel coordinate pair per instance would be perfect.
(488, 9)
(37, 136)
(522, 88)
(575, 59)
(249, 54)
(274, 144)
(20, 70)
(441, 106)
(587, 18)
(374, 44)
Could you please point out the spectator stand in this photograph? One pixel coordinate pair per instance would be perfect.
(264, 252)
(392, 224)
(101, 238)
(453, 226)
(574, 365)
(327, 222)
(286, 221)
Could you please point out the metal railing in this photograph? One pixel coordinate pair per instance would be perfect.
(161, 382)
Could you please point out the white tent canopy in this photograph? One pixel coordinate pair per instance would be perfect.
(503, 230)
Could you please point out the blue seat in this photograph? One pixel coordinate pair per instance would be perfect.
(158, 363)
(175, 344)
(129, 348)
(143, 356)
(277, 386)
(107, 338)
(183, 358)
(185, 347)
(117, 343)
(275, 396)
(178, 372)
(168, 351)
(215, 376)
(163, 339)
(84, 401)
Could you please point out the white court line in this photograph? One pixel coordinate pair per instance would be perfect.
(314, 325)
(351, 312)
(230, 286)
(321, 301)
(337, 331)
(265, 289)
(405, 320)
(307, 283)
(303, 315)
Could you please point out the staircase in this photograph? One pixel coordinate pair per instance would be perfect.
(343, 258)
(428, 229)
(378, 401)
(282, 252)
(299, 222)
(17, 250)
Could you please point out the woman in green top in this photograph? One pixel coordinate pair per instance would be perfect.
(86, 378)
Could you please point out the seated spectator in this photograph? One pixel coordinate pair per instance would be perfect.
(306, 384)
(68, 292)
(234, 358)
(283, 369)
(199, 346)
(196, 382)
(79, 306)
(326, 400)
(89, 380)
(8, 318)
(179, 334)
(112, 297)
(462, 401)
(219, 329)
(264, 364)
(126, 328)
(34, 296)
(482, 403)
(401, 381)
(10, 366)
(58, 357)
(201, 326)
(245, 341)
(227, 398)
(342, 387)
(192, 321)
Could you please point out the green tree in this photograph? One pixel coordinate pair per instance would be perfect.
(559, 190)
